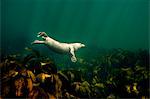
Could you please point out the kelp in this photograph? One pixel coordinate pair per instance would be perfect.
(114, 74)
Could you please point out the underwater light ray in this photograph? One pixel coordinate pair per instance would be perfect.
(46, 16)
(97, 23)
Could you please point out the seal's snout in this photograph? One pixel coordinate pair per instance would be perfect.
(82, 45)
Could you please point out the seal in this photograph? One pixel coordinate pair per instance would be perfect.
(58, 47)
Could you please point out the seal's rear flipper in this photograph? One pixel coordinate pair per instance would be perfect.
(38, 42)
(42, 34)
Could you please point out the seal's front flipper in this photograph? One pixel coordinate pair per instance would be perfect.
(73, 57)
(38, 42)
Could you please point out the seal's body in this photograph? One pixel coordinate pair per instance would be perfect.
(58, 47)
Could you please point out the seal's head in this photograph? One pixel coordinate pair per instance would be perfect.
(78, 45)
